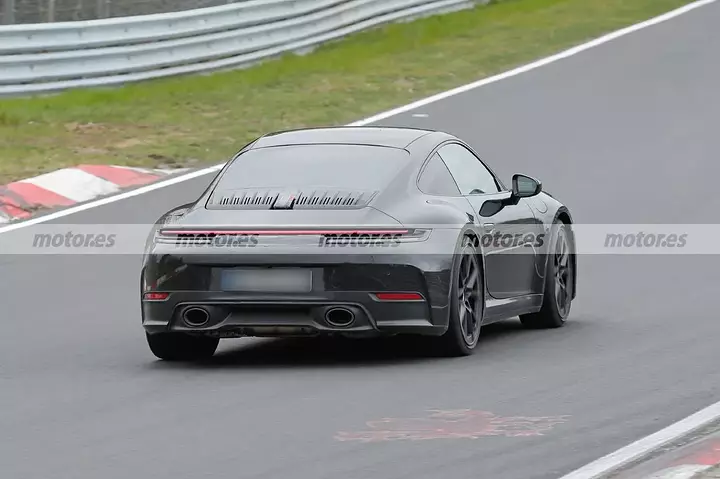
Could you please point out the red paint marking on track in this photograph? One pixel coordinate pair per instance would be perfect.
(453, 424)
(119, 176)
(34, 195)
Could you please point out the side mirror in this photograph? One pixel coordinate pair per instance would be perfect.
(525, 186)
(522, 187)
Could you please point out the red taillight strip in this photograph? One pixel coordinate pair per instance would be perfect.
(398, 296)
(155, 296)
(281, 232)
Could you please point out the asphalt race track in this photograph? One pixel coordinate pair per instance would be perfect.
(623, 133)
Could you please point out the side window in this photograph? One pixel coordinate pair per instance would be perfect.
(470, 174)
(435, 179)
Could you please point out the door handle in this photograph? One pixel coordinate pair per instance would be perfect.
(489, 227)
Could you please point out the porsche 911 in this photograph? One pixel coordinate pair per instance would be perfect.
(357, 232)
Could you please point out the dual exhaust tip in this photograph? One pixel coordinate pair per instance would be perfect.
(338, 317)
(196, 317)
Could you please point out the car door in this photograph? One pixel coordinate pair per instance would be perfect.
(509, 260)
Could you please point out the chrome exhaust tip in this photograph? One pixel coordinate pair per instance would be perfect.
(196, 317)
(339, 317)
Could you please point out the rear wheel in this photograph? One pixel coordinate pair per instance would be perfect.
(467, 303)
(181, 347)
(559, 283)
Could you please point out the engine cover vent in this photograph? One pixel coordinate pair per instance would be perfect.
(333, 199)
(268, 199)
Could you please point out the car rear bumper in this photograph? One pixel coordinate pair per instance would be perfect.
(339, 281)
(232, 315)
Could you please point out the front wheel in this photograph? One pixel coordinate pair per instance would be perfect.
(181, 347)
(559, 283)
(467, 303)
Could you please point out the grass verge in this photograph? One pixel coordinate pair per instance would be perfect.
(187, 121)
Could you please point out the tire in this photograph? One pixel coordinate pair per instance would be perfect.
(181, 347)
(464, 324)
(557, 296)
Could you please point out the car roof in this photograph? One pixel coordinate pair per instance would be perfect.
(392, 137)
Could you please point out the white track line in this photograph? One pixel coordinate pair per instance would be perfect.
(637, 449)
(380, 116)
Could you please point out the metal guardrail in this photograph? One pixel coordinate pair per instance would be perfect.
(44, 58)
(42, 11)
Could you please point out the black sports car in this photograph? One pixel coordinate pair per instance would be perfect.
(356, 231)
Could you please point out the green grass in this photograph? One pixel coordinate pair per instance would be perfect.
(187, 121)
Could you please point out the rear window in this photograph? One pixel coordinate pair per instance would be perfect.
(337, 166)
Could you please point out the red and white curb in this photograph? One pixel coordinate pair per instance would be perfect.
(685, 471)
(69, 186)
(704, 458)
